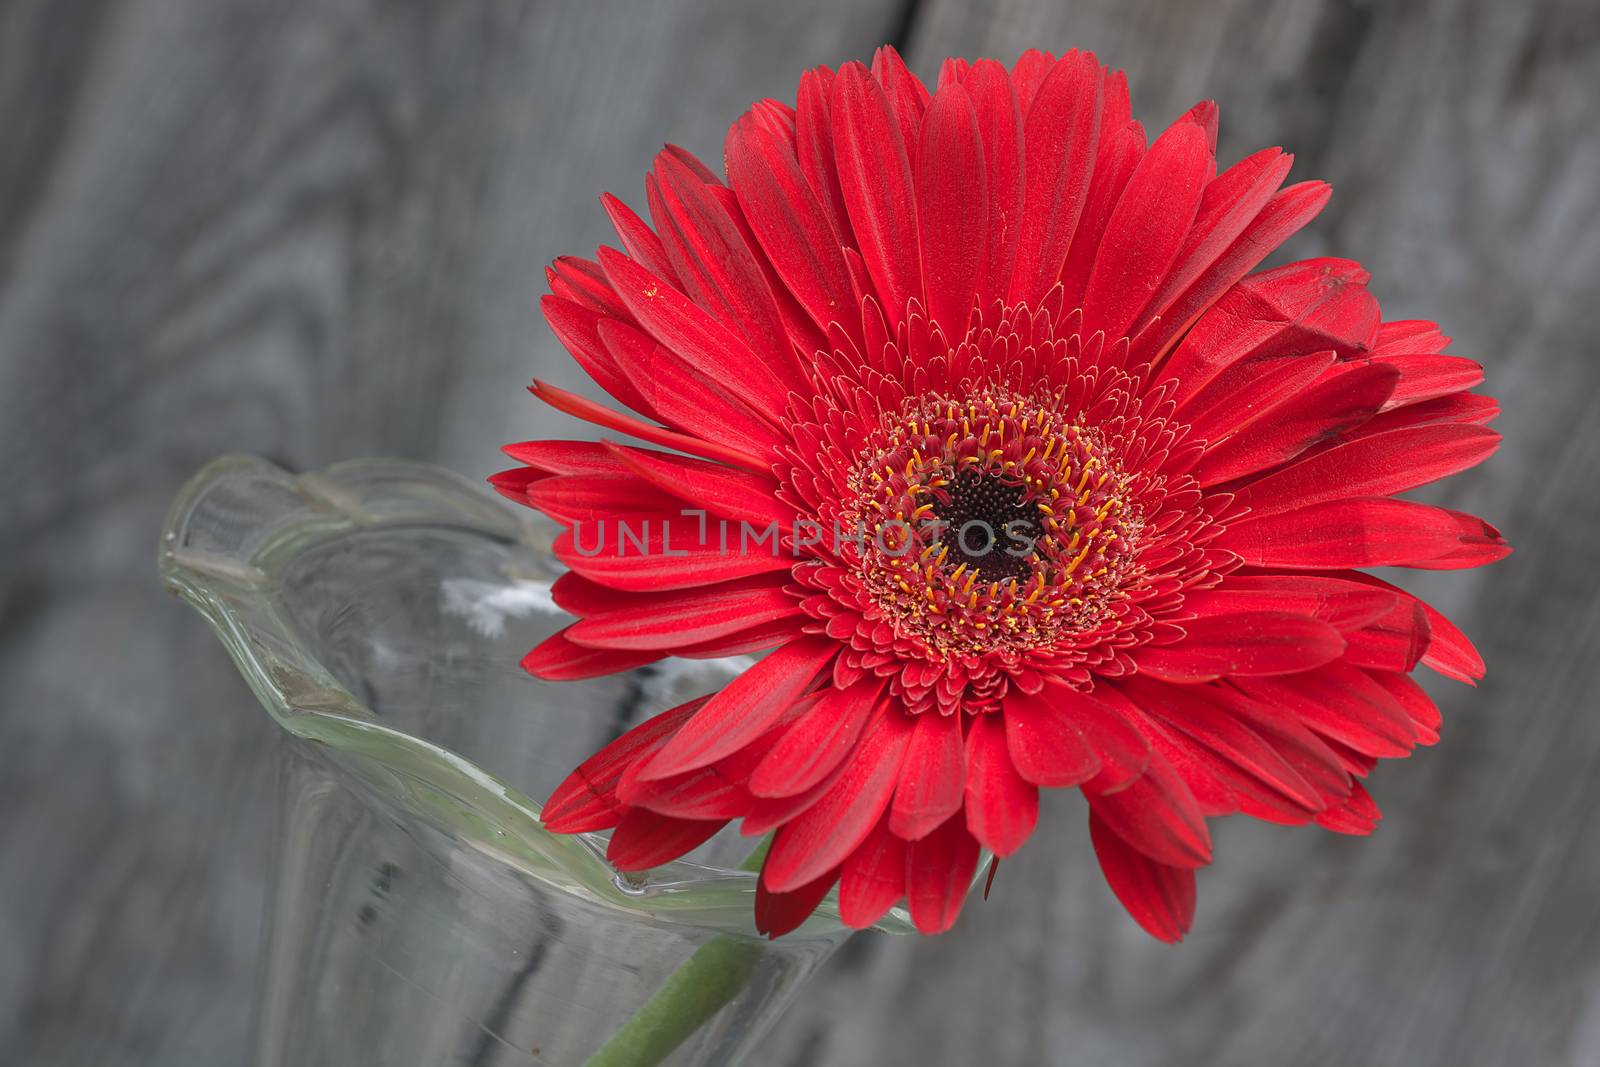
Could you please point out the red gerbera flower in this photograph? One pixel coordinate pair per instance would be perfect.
(903, 317)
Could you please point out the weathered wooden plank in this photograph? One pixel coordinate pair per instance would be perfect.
(312, 232)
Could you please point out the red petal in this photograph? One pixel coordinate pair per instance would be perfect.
(1394, 641)
(1285, 213)
(1410, 336)
(1158, 815)
(723, 491)
(1364, 532)
(1343, 703)
(689, 159)
(577, 595)
(1377, 465)
(875, 176)
(777, 914)
(1344, 605)
(873, 879)
(707, 345)
(1477, 543)
(745, 707)
(638, 239)
(822, 836)
(907, 96)
(686, 616)
(586, 800)
(952, 209)
(714, 262)
(774, 116)
(1159, 897)
(1002, 807)
(672, 556)
(708, 793)
(769, 813)
(932, 778)
(1343, 399)
(1119, 154)
(814, 145)
(1418, 706)
(1302, 749)
(1449, 651)
(513, 484)
(805, 337)
(1029, 73)
(681, 396)
(1205, 718)
(582, 282)
(1231, 200)
(557, 659)
(1060, 137)
(644, 839)
(939, 870)
(566, 457)
(1428, 377)
(1206, 118)
(792, 226)
(1249, 387)
(717, 791)
(1471, 408)
(1195, 767)
(1000, 124)
(1357, 815)
(818, 741)
(1117, 109)
(577, 328)
(1242, 644)
(598, 498)
(748, 641)
(1107, 721)
(1315, 305)
(1046, 746)
(1358, 764)
(589, 411)
(1147, 229)
(952, 69)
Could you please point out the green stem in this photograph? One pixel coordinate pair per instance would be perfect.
(695, 992)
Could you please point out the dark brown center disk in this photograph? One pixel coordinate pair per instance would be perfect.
(988, 525)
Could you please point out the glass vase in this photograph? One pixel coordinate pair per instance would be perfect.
(420, 913)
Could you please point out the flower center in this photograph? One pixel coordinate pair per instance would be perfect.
(992, 523)
(989, 523)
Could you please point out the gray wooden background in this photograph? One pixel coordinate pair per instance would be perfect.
(316, 231)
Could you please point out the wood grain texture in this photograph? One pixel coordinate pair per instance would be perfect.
(317, 231)
(310, 231)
